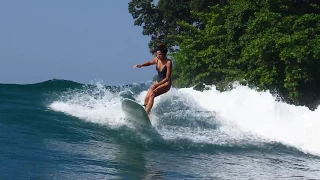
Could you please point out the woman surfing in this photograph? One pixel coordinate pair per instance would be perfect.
(163, 83)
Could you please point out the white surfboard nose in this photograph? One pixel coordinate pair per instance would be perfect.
(135, 112)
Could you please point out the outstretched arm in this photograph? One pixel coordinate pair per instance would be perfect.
(153, 61)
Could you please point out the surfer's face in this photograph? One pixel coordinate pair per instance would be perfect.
(160, 55)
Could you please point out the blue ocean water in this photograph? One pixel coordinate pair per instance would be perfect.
(65, 130)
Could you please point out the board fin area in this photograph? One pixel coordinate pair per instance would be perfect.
(135, 112)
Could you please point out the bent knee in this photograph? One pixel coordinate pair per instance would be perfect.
(152, 95)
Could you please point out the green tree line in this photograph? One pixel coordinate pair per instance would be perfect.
(266, 44)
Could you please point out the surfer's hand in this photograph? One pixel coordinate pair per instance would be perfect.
(137, 66)
(154, 86)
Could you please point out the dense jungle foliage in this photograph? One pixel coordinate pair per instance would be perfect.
(266, 44)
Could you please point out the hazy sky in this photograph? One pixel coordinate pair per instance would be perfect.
(78, 40)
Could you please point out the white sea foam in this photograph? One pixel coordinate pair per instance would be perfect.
(242, 115)
(260, 115)
(97, 105)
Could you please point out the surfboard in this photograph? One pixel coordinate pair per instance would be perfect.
(135, 112)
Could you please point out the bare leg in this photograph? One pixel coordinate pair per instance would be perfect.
(154, 93)
(147, 97)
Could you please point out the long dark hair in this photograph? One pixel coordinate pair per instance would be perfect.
(162, 48)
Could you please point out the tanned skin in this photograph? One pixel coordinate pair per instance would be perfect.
(161, 87)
